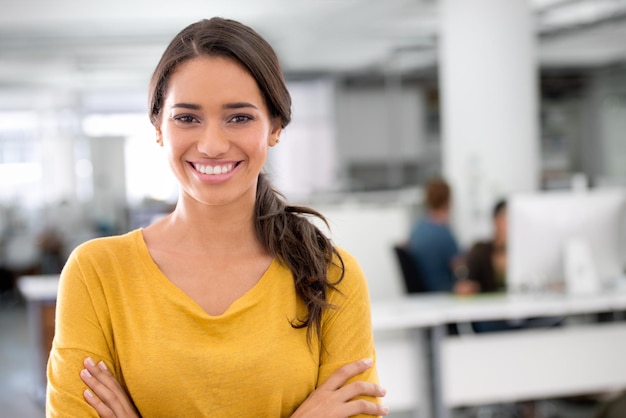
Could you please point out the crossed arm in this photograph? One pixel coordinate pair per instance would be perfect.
(332, 399)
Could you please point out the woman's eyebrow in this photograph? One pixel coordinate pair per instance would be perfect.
(234, 105)
(238, 105)
(186, 106)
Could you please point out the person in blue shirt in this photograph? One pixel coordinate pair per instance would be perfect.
(433, 246)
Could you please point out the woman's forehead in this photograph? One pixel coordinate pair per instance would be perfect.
(217, 77)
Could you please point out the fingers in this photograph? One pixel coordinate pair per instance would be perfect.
(99, 378)
(102, 410)
(350, 395)
(343, 402)
(92, 376)
(360, 388)
(101, 371)
(105, 394)
(363, 407)
(345, 373)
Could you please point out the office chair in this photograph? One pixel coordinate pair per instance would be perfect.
(414, 283)
(412, 276)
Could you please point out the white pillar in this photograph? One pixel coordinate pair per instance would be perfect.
(57, 133)
(488, 78)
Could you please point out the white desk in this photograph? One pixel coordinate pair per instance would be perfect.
(40, 293)
(508, 366)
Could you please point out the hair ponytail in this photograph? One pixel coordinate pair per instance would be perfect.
(301, 246)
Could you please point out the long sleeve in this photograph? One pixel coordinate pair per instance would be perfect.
(347, 330)
(79, 333)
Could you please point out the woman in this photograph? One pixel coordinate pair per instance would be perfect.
(234, 304)
(486, 260)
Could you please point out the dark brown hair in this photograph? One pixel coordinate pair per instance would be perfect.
(230, 39)
(437, 194)
(284, 230)
(498, 208)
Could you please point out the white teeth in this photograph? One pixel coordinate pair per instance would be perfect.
(214, 169)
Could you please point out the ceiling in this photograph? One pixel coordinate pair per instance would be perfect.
(77, 45)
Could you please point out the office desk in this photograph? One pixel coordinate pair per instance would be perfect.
(516, 365)
(40, 293)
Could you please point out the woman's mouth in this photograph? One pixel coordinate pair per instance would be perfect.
(214, 169)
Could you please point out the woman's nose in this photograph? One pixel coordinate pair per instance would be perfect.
(213, 142)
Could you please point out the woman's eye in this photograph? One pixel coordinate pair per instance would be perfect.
(240, 118)
(185, 118)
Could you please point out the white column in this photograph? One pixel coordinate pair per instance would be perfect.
(488, 78)
(57, 133)
(109, 182)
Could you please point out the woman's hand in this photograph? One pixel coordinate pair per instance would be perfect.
(466, 287)
(106, 396)
(335, 399)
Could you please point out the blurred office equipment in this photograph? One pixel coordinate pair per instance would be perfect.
(566, 238)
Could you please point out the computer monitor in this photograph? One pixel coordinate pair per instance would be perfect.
(555, 235)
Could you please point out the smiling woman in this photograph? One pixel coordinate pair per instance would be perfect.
(235, 294)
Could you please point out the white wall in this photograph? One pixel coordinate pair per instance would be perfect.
(613, 119)
(109, 181)
(378, 124)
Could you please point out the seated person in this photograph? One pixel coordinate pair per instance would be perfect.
(433, 246)
(486, 265)
(486, 260)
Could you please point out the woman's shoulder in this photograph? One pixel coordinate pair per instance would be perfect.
(348, 260)
(100, 260)
(114, 244)
(353, 275)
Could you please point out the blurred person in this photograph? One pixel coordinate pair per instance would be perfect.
(486, 265)
(486, 260)
(233, 305)
(434, 247)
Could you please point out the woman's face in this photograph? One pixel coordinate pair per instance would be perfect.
(216, 129)
(500, 224)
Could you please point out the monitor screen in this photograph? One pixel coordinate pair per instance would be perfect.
(542, 225)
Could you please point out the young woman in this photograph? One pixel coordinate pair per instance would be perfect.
(234, 305)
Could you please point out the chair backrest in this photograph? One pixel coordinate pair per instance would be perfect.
(413, 281)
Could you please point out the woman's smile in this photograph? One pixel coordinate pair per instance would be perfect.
(214, 172)
(214, 169)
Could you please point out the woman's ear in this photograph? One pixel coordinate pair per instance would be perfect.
(159, 136)
(274, 137)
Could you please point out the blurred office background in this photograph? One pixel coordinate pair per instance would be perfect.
(378, 109)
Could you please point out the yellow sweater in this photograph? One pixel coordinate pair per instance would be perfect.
(174, 359)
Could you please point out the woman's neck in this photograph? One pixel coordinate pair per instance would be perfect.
(218, 229)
